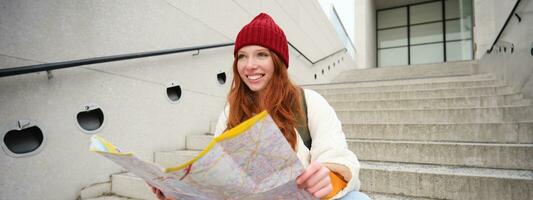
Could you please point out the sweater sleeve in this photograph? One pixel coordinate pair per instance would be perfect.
(329, 142)
(222, 121)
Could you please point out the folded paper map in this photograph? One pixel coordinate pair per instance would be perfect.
(251, 161)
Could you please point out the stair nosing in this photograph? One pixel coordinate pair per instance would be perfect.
(422, 90)
(439, 123)
(448, 170)
(432, 109)
(470, 77)
(428, 98)
(489, 144)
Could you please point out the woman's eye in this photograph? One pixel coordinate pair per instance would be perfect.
(262, 54)
(240, 56)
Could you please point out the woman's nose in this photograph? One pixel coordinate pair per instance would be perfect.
(251, 63)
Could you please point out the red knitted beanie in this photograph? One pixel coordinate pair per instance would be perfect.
(263, 31)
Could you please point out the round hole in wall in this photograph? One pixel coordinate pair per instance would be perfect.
(174, 92)
(333, 64)
(338, 61)
(91, 118)
(322, 71)
(329, 68)
(221, 77)
(23, 140)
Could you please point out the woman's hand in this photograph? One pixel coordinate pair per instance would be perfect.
(158, 193)
(315, 180)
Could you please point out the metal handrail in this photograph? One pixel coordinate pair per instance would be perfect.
(504, 26)
(74, 63)
(343, 49)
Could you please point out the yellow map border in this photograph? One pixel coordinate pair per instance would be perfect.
(111, 149)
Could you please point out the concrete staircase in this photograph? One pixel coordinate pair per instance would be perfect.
(456, 135)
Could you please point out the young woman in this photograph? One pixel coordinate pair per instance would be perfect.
(261, 82)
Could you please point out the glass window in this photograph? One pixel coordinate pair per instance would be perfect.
(392, 57)
(425, 12)
(458, 8)
(427, 53)
(392, 37)
(459, 50)
(419, 39)
(458, 29)
(452, 9)
(392, 18)
(426, 33)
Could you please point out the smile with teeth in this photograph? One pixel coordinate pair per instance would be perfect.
(254, 76)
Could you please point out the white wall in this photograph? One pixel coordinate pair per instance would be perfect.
(515, 68)
(138, 116)
(132, 94)
(365, 34)
(490, 15)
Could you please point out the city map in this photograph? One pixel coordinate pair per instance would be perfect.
(251, 161)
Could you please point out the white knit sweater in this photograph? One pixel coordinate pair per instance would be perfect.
(329, 143)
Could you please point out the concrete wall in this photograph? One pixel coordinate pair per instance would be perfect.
(514, 68)
(138, 117)
(489, 17)
(132, 94)
(365, 34)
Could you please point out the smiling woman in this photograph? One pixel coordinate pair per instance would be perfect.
(261, 82)
(255, 66)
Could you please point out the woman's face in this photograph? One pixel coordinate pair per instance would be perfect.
(255, 66)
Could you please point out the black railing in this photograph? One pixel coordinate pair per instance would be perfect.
(74, 63)
(504, 26)
(314, 62)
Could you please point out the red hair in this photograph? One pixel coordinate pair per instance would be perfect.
(283, 102)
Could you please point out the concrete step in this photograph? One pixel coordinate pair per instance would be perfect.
(520, 113)
(421, 181)
(95, 190)
(444, 132)
(445, 182)
(130, 186)
(405, 82)
(175, 158)
(380, 196)
(488, 155)
(410, 87)
(446, 102)
(111, 197)
(409, 72)
(451, 132)
(421, 94)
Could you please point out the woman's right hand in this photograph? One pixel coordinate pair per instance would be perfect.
(158, 193)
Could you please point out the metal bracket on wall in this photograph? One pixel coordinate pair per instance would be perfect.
(22, 124)
(518, 17)
(197, 52)
(49, 74)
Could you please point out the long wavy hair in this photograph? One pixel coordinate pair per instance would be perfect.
(283, 102)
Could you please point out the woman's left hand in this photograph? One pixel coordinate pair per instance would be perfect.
(315, 180)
